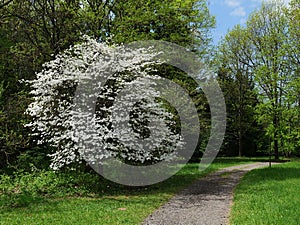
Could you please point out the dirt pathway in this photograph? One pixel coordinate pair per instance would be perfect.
(206, 202)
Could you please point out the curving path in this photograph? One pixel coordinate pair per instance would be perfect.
(206, 202)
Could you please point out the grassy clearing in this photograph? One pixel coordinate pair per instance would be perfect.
(85, 198)
(268, 196)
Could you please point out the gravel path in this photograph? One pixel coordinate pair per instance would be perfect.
(206, 202)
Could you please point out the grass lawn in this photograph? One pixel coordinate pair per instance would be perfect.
(56, 202)
(268, 196)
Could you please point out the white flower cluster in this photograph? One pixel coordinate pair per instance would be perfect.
(96, 101)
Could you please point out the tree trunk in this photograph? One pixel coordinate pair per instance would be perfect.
(241, 105)
(240, 144)
(276, 146)
(276, 151)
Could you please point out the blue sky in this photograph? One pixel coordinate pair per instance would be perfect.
(229, 13)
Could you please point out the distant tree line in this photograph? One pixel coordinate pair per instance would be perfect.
(259, 72)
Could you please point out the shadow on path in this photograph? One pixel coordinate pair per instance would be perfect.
(205, 202)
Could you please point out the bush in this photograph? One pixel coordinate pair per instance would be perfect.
(22, 188)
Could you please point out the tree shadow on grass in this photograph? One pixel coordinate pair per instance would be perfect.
(102, 188)
(231, 160)
(22, 200)
(275, 173)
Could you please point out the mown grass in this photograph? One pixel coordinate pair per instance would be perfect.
(45, 197)
(268, 196)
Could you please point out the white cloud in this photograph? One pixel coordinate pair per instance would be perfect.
(239, 11)
(236, 5)
(232, 3)
(286, 2)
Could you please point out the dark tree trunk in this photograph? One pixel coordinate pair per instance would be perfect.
(276, 145)
(240, 144)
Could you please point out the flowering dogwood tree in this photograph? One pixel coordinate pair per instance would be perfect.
(96, 101)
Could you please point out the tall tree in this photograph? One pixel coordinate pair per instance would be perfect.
(36, 30)
(238, 85)
(292, 113)
(268, 49)
(267, 33)
(186, 23)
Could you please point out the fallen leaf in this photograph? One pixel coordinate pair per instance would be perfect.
(122, 209)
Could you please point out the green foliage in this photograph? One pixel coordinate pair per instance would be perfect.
(74, 197)
(32, 32)
(23, 188)
(262, 61)
(186, 23)
(236, 81)
(274, 69)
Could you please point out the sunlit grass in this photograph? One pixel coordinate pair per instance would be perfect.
(268, 196)
(98, 203)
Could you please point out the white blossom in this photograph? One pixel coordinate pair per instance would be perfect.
(59, 119)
